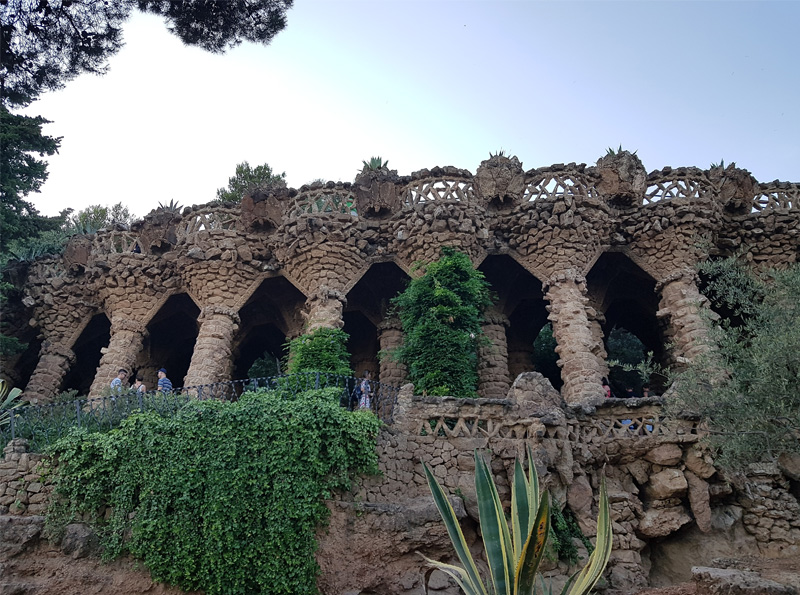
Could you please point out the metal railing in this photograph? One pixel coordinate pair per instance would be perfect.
(42, 425)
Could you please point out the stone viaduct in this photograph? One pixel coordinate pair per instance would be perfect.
(206, 291)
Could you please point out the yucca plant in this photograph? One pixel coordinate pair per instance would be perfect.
(514, 555)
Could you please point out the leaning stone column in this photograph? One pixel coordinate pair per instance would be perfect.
(127, 338)
(55, 361)
(324, 309)
(681, 306)
(212, 360)
(581, 369)
(493, 376)
(390, 337)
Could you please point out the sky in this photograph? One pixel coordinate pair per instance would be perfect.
(427, 83)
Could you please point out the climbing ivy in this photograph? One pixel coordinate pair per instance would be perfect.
(564, 529)
(323, 350)
(224, 497)
(441, 313)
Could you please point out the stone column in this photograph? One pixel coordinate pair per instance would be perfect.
(324, 309)
(493, 375)
(390, 337)
(55, 361)
(681, 308)
(127, 338)
(581, 369)
(212, 360)
(520, 357)
(596, 321)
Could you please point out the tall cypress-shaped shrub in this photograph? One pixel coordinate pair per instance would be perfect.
(441, 313)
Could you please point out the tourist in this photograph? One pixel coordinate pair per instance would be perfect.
(164, 384)
(138, 385)
(606, 387)
(629, 393)
(364, 391)
(116, 384)
(645, 391)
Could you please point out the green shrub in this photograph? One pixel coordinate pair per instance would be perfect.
(441, 313)
(323, 350)
(224, 497)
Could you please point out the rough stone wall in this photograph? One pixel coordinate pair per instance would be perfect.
(555, 222)
(22, 489)
(661, 483)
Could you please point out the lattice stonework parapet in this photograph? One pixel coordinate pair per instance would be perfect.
(437, 189)
(208, 219)
(776, 195)
(669, 184)
(322, 201)
(116, 242)
(543, 185)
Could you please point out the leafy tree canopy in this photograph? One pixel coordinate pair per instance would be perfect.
(45, 43)
(441, 313)
(95, 217)
(248, 178)
(746, 385)
(21, 173)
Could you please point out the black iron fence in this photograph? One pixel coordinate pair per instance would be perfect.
(44, 424)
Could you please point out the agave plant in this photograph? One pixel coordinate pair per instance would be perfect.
(8, 401)
(375, 163)
(514, 555)
(172, 206)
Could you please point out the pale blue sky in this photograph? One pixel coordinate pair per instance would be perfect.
(432, 83)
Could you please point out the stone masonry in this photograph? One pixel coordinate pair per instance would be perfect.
(206, 291)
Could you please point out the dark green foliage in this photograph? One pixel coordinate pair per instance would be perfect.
(22, 173)
(441, 313)
(324, 350)
(227, 496)
(625, 352)
(564, 528)
(264, 367)
(746, 385)
(47, 43)
(247, 179)
(545, 358)
(219, 26)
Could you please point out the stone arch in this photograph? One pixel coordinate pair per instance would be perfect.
(87, 348)
(169, 340)
(521, 301)
(625, 296)
(368, 303)
(268, 318)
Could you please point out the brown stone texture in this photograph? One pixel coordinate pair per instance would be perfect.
(211, 361)
(569, 227)
(493, 375)
(581, 369)
(126, 341)
(385, 520)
